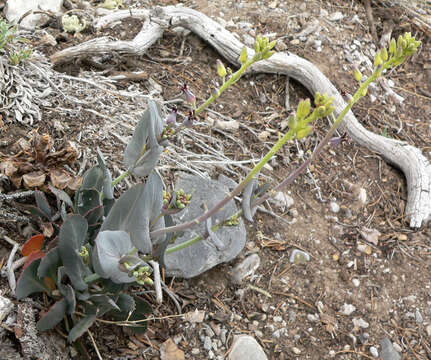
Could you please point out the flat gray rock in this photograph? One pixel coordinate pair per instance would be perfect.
(15, 9)
(205, 254)
(388, 352)
(245, 347)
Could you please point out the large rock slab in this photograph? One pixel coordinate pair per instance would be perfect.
(205, 254)
(16, 8)
(245, 347)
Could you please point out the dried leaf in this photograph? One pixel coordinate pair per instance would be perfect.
(170, 351)
(74, 183)
(59, 178)
(16, 180)
(42, 145)
(34, 179)
(33, 244)
(8, 167)
(47, 229)
(370, 235)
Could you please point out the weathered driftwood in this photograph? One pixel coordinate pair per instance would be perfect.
(409, 159)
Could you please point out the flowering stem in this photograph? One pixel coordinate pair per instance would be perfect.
(120, 178)
(232, 80)
(292, 176)
(286, 137)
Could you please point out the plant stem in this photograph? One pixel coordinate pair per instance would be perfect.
(120, 178)
(292, 176)
(286, 137)
(232, 80)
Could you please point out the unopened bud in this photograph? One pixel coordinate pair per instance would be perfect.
(257, 47)
(304, 132)
(384, 54)
(303, 109)
(221, 70)
(172, 118)
(267, 54)
(357, 74)
(377, 60)
(190, 97)
(188, 122)
(243, 57)
(392, 47)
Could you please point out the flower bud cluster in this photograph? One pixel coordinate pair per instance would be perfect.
(299, 122)
(175, 202)
(136, 267)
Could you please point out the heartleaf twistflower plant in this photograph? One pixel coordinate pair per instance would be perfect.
(103, 244)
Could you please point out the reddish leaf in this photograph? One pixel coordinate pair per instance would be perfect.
(39, 254)
(32, 245)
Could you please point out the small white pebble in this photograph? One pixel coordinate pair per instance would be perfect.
(334, 207)
(356, 282)
(374, 352)
(397, 347)
(296, 351)
(277, 318)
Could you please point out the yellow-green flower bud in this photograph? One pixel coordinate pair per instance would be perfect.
(304, 132)
(257, 44)
(267, 54)
(320, 111)
(392, 47)
(384, 54)
(364, 92)
(357, 74)
(221, 70)
(377, 60)
(244, 57)
(292, 122)
(303, 109)
(403, 44)
(329, 110)
(317, 98)
(271, 44)
(399, 42)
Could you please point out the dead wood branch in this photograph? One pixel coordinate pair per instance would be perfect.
(408, 158)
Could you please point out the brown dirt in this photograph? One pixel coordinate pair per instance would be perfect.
(394, 280)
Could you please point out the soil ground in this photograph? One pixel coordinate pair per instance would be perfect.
(389, 283)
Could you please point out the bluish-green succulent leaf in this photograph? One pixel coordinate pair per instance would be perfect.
(42, 204)
(29, 283)
(49, 265)
(247, 194)
(93, 179)
(104, 303)
(69, 295)
(134, 211)
(109, 248)
(149, 128)
(73, 235)
(82, 326)
(53, 317)
(88, 200)
(61, 195)
(147, 162)
(161, 245)
(126, 305)
(108, 190)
